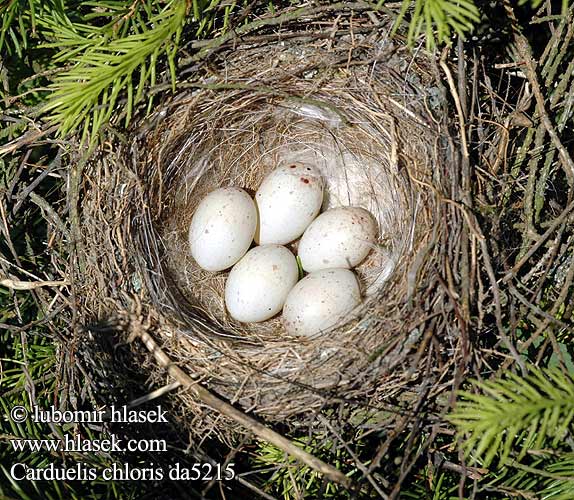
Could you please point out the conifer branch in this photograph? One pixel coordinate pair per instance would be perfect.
(86, 93)
(515, 414)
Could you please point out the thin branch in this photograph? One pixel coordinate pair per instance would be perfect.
(260, 430)
(497, 303)
(254, 488)
(25, 139)
(30, 285)
(50, 213)
(557, 222)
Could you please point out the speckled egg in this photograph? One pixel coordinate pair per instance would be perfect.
(259, 283)
(320, 301)
(222, 228)
(340, 237)
(288, 199)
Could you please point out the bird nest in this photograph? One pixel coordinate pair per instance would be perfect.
(369, 116)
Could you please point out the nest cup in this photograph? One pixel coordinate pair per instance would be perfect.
(241, 148)
(368, 127)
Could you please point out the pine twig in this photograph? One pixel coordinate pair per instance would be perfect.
(515, 414)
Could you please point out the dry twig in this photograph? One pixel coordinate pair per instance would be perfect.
(249, 423)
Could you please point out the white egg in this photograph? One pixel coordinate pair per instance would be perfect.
(288, 199)
(340, 237)
(259, 283)
(320, 301)
(222, 228)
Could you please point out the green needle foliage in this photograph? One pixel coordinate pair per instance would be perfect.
(18, 20)
(515, 414)
(289, 475)
(438, 19)
(561, 486)
(103, 65)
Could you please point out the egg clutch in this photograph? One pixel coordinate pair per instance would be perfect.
(264, 280)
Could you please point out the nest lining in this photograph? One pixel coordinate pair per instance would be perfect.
(357, 170)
